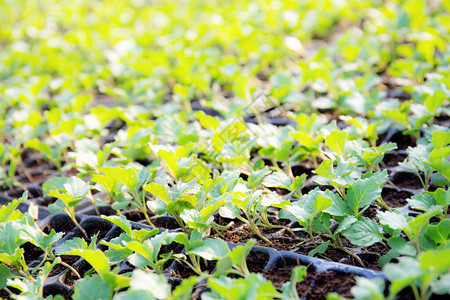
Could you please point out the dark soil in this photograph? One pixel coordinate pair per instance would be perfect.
(406, 180)
(244, 233)
(165, 222)
(100, 228)
(316, 285)
(370, 212)
(136, 216)
(60, 223)
(280, 275)
(31, 252)
(392, 159)
(58, 269)
(257, 261)
(395, 198)
(403, 141)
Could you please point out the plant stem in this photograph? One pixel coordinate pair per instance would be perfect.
(255, 229)
(381, 203)
(144, 211)
(349, 253)
(71, 269)
(275, 164)
(91, 198)
(74, 220)
(289, 170)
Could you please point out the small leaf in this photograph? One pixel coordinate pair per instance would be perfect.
(159, 191)
(76, 187)
(435, 101)
(319, 249)
(401, 246)
(362, 193)
(5, 273)
(212, 249)
(394, 220)
(440, 139)
(8, 212)
(122, 222)
(278, 179)
(336, 141)
(93, 288)
(364, 233)
(156, 284)
(96, 258)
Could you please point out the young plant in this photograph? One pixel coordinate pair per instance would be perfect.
(235, 261)
(117, 251)
(147, 253)
(120, 183)
(412, 227)
(52, 154)
(249, 205)
(110, 281)
(254, 286)
(426, 274)
(73, 191)
(419, 161)
(197, 249)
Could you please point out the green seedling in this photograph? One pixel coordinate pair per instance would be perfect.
(254, 286)
(73, 191)
(250, 206)
(197, 249)
(147, 253)
(123, 187)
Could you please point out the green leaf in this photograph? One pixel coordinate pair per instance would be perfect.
(9, 213)
(122, 222)
(38, 238)
(338, 207)
(256, 177)
(442, 285)
(178, 206)
(434, 102)
(156, 284)
(184, 290)
(289, 289)
(440, 139)
(206, 121)
(442, 166)
(40, 146)
(439, 233)
(76, 187)
(321, 203)
(96, 258)
(159, 191)
(437, 262)
(369, 289)
(395, 220)
(345, 224)
(362, 193)
(278, 179)
(336, 141)
(94, 288)
(319, 249)
(54, 183)
(5, 273)
(364, 232)
(212, 249)
(401, 246)
(133, 295)
(326, 169)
